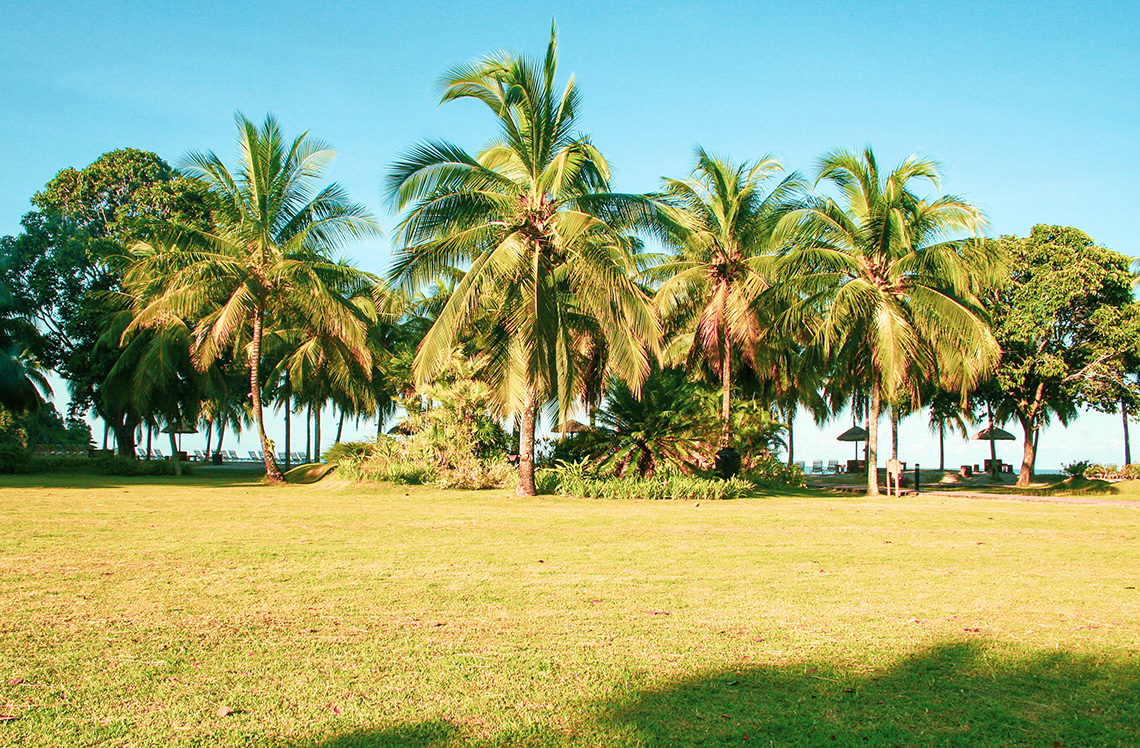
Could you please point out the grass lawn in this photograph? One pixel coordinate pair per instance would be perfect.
(214, 611)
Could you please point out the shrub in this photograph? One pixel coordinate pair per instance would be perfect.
(768, 472)
(13, 458)
(116, 466)
(1131, 471)
(348, 451)
(578, 479)
(1077, 469)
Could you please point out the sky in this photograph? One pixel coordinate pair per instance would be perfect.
(1032, 108)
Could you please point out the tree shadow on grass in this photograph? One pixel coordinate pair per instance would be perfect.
(961, 694)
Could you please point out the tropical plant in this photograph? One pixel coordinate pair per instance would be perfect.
(662, 426)
(889, 288)
(264, 265)
(532, 220)
(719, 226)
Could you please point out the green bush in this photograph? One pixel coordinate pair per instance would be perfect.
(1077, 469)
(578, 479)
(115, 466)
(13, 458)
(348, 451)
(768, 472)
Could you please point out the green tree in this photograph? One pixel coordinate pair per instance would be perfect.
(533, 222)
(1067, 325)
(889, 289)
(60, 264)
(264, 264)
(719, 225)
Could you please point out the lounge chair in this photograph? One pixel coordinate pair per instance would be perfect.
(255, 456)
(231, 455)
(801, 465)
(833, 466)
(817, 466)
(299, 458)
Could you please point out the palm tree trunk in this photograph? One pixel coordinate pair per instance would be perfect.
(309, 435)
(790, 416)
(894, 433)
(317, 433)
(339, 428)
(272, 472)
(209, 438)
(526, 447)
(174, 454)
(941, 445)
(873, 439)
(288, 422)
(726, 394)
(221, 434)
(149, 431)
(1127, 445)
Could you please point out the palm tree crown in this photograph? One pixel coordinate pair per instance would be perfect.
(895, 287)
(265, 262)
(719, 224)
(531, 219)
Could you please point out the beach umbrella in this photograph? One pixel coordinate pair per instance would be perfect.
(854, 434)
(180, 428)
(572, 427)
(993, 434)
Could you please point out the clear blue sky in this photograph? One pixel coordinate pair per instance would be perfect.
(1033, 107)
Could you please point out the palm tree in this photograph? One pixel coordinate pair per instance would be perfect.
(531, 219)
(719, 223)
(266, 261)
(894, 288)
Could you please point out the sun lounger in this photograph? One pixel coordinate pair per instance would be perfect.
(801, 465)
(817, 466)
(833, 466)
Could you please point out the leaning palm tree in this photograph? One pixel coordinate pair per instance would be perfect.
(265, 263)
(532, 221)
(890, 283)
(719, 224)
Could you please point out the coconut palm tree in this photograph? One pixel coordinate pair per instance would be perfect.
(265, 263)
(890, 280)
(532, 221)
(719, 224)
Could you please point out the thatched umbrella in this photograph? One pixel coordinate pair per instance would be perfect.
(993, 434)
(854, 434)
(572, 427)
(179, 428)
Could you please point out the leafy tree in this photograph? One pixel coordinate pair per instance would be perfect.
(264, 264)
(895, 292)
(719, 225)
(58, 265)
(533, 222)
(1066, 323)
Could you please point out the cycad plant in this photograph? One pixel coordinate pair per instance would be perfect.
(532, 221)
(264, 264)
(890, 281)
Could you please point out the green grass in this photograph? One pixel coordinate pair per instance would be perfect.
(137, 612)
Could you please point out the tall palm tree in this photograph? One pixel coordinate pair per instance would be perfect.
(719, 224)
(533, 222)
(265, 262)
(894, 285)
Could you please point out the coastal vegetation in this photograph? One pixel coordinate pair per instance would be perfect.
(196, 296)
